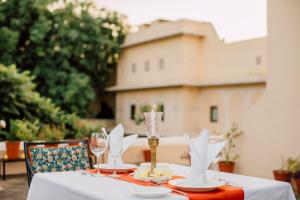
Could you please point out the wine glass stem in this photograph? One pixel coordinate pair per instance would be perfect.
(98, 166)
(115, 166)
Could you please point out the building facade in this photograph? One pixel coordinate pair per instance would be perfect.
(200, 81)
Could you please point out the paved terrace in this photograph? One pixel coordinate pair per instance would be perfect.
(14, 188)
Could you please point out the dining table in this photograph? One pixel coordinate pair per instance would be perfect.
(78, 185)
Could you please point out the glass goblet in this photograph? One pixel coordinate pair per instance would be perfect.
(115, 145)
(98, 146)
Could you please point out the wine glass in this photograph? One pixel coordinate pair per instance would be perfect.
(98, 146)
(115, 145)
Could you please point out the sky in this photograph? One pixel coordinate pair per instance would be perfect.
(234, 20)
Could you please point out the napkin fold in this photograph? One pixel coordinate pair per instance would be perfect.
(202, 154)
(118, 131)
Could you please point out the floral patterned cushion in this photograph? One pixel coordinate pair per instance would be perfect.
(69, 158)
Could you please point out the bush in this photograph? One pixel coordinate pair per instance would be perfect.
(24, 130)
(25, 110)
(52, 133)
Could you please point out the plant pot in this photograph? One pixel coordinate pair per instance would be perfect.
(297, 183)
(147, 155)
(12, 149)
(226, 166)
(282, 175)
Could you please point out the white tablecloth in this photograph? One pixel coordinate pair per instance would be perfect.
(75, 186)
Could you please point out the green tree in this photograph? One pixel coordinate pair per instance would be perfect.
(71, 48)
(25, 110)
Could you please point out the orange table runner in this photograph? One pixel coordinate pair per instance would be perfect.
(222, 193)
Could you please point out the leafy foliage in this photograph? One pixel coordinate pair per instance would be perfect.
(24, 130)
(228, 152)
(52, 133)
(69, 50)
(290, 164)
(25, 109)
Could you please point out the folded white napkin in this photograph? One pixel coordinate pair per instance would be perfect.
(127, 141)
(202, 154)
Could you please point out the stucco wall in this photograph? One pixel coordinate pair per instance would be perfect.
(272, 127)
(169, 49)
(187, 109)
(232, 101)
(193, 56)
(172, 98)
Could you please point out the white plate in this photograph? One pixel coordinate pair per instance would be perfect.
(186, 185)
(149, 191)
(120, 169)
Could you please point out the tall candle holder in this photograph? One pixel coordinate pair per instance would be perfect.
(152, 122)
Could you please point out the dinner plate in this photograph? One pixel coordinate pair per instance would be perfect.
(187, 185)
(120, 169)
(149, 191)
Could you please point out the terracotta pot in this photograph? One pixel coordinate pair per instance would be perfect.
(147, 155)
(282, 175)
(226, 166)
(12, 149)
(297, 183)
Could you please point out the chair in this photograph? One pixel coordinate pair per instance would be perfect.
(61, 155)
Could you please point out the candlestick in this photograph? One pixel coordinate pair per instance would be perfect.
(152, 122)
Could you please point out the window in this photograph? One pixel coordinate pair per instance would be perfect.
(213, 114)
(258, 60)
(161, 64)
(132, 111)
(147, 66)
(162, 109)
(133, 68)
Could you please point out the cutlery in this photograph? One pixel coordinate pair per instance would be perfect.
(230, 183)
(159, 184)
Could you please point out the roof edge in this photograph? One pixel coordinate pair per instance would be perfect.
(191, 84)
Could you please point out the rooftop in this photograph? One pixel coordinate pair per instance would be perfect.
(161, 29)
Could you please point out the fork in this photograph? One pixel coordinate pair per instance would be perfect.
(173, 190)
(230, 183)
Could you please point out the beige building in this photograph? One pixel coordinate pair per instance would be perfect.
(184, 66)
(272, 128)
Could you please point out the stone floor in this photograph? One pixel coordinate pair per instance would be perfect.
(14, 188)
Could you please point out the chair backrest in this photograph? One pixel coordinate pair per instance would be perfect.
(64, 155)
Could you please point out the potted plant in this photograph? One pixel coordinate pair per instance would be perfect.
(20, 130)
(297, 180)
(227, 162)
(12, 143)
(295, 168)
(288, 167)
